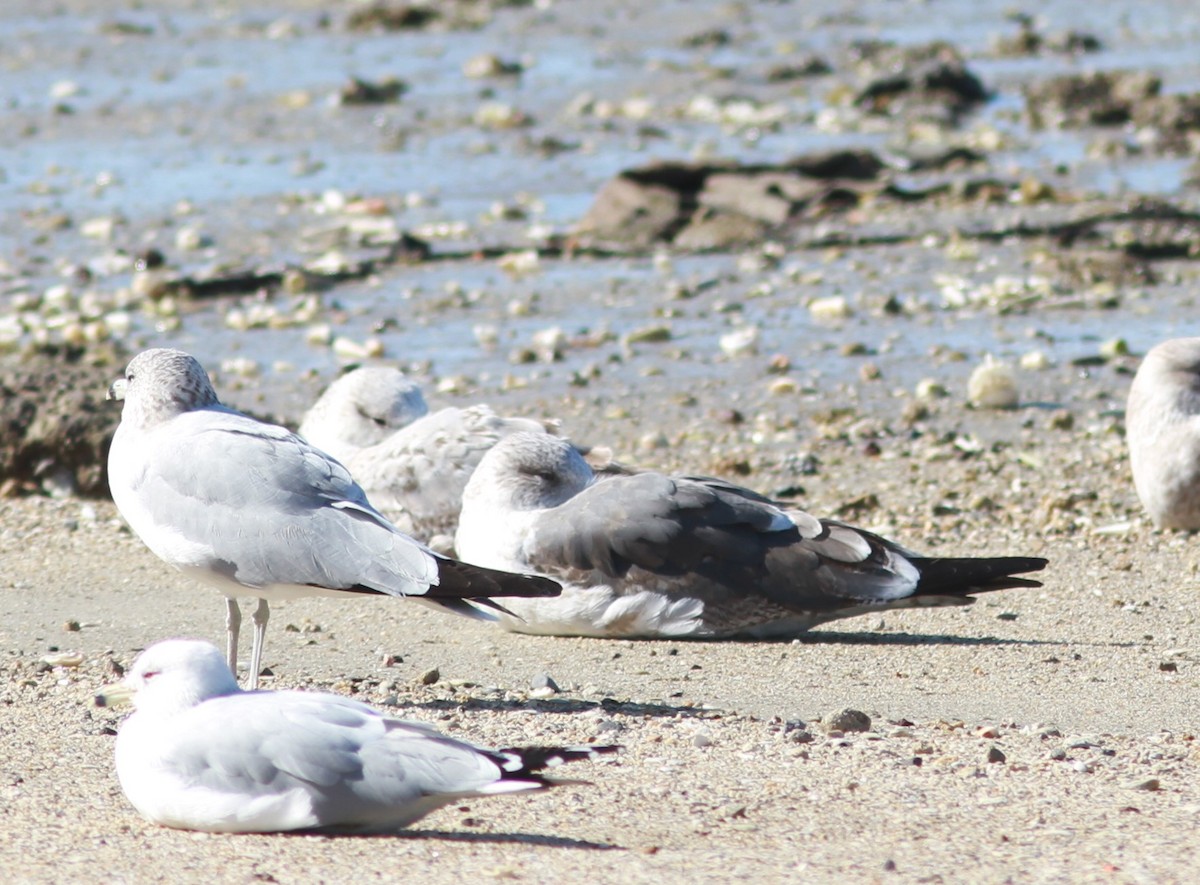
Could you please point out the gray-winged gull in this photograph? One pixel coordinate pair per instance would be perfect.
(415, 475)
(1162, 425)
(200, 754)
(648, 555)
(254, 510)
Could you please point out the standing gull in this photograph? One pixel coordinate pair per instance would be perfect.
(652, 556)
(200, 754)
(415, 475)
(254, 510)
(1162, 424)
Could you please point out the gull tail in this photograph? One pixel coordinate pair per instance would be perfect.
(463, 588)
(520, 766)
(963, 577)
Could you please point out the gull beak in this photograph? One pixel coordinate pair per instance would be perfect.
(116, 390)
(115, 695)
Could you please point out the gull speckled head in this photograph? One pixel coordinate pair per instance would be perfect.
(160, 383)
(1178, 355)
(361, 409)
(531, 471)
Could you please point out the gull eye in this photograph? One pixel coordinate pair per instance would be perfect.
(150, 674)
(374, 419)
(541, 473)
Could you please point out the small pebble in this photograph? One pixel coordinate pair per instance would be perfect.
(98, 228)
(63, 659)
(1061, 419)
(188, 239)
(928, 388)
(993, 385)
(1035, 361)
(834, 307)
(519, 264)
(65, 89)
(549, 344)
(778, 364)
(996, 755)
(486, 335)
(430, 677)
(1114, 347)
(489, 65)
(847, 720)
(740, 342)
(648, 335)
(498, 115)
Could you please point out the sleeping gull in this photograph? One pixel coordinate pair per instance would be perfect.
(1162, 424)
(651, 556)
(200, 754)
(254, 510)
(414, 476)
(361, 408)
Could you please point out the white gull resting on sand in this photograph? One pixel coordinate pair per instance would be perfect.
(1162, 425)
(200, 754)
(651, 556)
(415, 476)
(254, 510)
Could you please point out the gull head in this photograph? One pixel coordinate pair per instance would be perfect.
(529, 471)
(161, 383)
(361, 409)
(1178, 358)
(1167, 385)
(171, 676)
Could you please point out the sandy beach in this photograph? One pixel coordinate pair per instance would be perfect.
(1084, 687)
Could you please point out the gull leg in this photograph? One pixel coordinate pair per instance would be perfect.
(262, 614)
(233, 626)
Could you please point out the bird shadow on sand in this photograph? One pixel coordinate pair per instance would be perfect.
(559, 705)
(833, 637)
(531, 839)
(837, 637)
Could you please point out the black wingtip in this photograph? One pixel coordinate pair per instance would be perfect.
(525, 763)
(960, 577)
(461, 580)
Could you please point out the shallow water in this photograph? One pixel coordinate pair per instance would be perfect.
(229, 109)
